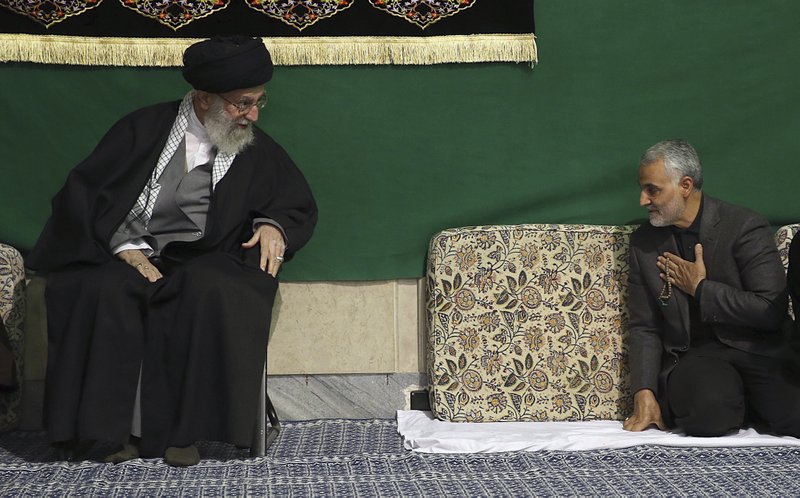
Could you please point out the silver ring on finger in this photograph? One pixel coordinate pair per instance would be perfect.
(279, 258)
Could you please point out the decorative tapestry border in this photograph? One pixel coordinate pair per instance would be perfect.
(155, 32)
(89, 51)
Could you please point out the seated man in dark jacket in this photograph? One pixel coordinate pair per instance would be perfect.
(162, 254)
(709, 330)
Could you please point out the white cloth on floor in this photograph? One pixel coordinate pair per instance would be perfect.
(421, 432)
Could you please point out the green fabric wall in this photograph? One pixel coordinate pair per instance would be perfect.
(395, 154)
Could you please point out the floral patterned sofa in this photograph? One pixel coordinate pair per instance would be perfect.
(12, 314)
(528, 322)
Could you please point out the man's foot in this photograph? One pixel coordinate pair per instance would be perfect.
(182, 457)
(129, 451)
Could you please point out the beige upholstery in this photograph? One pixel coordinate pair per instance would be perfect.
(528, 322)
(12, 312)
(783, 238)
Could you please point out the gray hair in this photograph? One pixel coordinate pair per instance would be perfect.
(680, 159)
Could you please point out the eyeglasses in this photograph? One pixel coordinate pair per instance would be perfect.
(245, 106)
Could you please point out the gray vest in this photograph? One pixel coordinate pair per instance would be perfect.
(181, 208)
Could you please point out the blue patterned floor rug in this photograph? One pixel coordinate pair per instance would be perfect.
(367, 458)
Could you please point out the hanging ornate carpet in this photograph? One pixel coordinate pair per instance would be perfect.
(155, 32)
(366, 458)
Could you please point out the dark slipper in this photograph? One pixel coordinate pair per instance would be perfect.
(182, 457)
(128, 452)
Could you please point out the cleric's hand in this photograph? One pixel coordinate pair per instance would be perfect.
(272, 245)
(138, 260)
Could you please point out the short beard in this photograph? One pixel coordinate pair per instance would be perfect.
(224, 131)
(667, 214)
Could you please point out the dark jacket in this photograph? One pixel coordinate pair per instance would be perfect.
(744, 298)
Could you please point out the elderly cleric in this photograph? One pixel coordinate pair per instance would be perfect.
(162, 254)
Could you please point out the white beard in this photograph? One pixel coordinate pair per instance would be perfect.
(224, 131)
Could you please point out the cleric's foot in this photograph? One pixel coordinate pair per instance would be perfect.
(182, 457)
(66, 450)
(129, 451)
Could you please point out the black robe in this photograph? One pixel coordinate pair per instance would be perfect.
(199, 334)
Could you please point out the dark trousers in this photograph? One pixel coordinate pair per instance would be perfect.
(199, 336)
(715, 389)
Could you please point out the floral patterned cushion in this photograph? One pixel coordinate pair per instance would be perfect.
(783, 237)
(528, 322)
(12, 312)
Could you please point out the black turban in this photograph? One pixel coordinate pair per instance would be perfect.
(226, 63)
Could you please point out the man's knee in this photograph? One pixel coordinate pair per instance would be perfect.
(787, 426)
(209, 272)
(706, 397)
(777, 409)
(712, 415)
(106, 280)
(222, 273)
